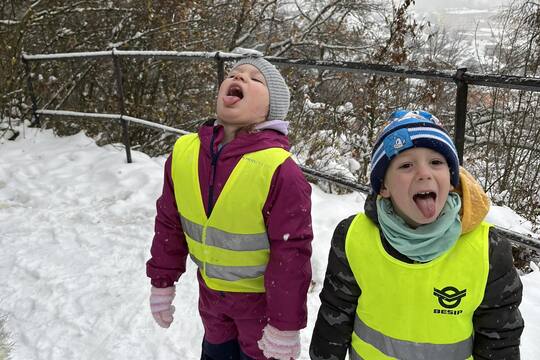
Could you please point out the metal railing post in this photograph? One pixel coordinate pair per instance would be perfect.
(35, 117)
(120, 91)
(220, 69)
(461, 111)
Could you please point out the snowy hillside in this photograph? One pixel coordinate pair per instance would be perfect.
(76, 224)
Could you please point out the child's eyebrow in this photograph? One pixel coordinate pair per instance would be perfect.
(258, 75)
(254, 72)
(250, 71)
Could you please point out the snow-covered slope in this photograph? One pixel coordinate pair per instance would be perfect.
(76, 224)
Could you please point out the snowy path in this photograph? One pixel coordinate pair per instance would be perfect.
(76, 223)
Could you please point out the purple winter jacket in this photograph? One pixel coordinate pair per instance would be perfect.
(287, 215)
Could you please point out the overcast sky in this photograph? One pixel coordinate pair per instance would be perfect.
(423, 5)
(467, 18)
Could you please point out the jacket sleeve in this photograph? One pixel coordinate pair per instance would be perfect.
(169, 248)
(287, 215)
(339, 298)
(497, 321)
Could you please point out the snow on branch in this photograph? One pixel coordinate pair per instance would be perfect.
(35, 17)
(139, 34)
(9, 22)
(320, 18)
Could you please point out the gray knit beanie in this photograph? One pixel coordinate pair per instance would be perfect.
(277, 88)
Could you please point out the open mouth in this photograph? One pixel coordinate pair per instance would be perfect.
(235, 91)
(233, 95)
(425, 201)
(425, 195)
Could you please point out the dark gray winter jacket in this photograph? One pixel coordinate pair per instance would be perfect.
(497, 321)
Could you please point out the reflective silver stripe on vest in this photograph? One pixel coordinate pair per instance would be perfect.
(230, 273)
(193, 230)
(402, 349)
(238, 242)
(226, 240)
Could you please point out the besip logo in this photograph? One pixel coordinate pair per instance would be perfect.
(449, 298)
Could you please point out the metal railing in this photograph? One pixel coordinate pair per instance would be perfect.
(460, 77)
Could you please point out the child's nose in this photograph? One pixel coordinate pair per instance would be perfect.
(239, 76)
(423, 172)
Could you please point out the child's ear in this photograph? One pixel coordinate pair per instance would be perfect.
(384, 192)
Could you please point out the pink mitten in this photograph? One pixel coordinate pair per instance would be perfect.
(161, 305)
(278, 344)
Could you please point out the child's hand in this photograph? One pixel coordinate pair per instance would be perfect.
(278, 344)
(161, 305)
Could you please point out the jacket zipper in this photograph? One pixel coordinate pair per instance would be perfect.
(215, 157)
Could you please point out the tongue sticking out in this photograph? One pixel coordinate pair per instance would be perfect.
(426, 204)
(229, 100)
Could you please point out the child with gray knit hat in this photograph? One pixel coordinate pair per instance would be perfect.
(239, 206)
(263, 105)
(277, 88)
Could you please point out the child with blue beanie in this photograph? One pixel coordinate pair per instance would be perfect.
(419, 275)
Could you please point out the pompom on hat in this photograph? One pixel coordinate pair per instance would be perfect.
(277, 88)
(407, 129)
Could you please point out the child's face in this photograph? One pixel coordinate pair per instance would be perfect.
(417, 182)
(243, 97)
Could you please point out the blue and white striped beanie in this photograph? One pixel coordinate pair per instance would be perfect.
(407, 129)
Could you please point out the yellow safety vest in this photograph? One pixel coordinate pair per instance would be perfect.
(231, 247)
(415, 311)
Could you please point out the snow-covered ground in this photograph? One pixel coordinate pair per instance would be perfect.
(76, 222)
